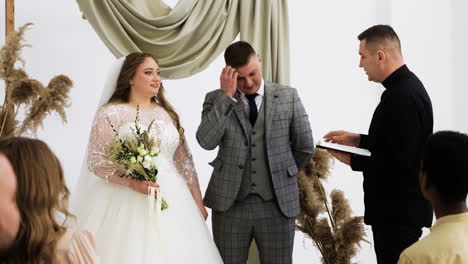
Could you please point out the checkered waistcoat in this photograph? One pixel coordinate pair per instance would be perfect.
(257, 177)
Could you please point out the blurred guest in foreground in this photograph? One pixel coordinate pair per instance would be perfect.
(9, 214)
(42, 197)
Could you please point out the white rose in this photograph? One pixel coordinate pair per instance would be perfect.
(140, 158)
(147, 158)
(147, 164)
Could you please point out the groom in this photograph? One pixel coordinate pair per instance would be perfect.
(264, 139)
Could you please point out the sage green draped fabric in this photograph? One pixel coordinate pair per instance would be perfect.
(187, 38)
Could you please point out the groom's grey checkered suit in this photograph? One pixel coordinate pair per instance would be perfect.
(288, 144)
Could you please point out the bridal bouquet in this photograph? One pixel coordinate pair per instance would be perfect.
(135, 150)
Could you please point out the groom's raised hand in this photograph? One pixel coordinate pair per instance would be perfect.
(228, 80)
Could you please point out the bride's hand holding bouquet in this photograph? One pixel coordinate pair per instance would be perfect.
(135, 151)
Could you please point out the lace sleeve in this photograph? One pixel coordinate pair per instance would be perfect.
(101, 135)
(184, 163)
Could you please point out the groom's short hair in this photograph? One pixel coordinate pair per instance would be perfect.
(238, 54)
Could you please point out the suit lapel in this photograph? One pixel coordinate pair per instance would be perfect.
(270, 109)
(240, 112)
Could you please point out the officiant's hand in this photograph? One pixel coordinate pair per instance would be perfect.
(341, 156)
(343, 138)
(228, 80)
(142, 186)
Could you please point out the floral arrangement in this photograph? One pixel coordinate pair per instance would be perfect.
(337, 234)
(136, 151)
(26, 97)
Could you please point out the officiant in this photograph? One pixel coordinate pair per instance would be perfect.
(403, 120)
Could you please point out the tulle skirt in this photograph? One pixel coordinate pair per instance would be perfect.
(126, 232)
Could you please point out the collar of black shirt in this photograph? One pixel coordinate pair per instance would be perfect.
(390, 80)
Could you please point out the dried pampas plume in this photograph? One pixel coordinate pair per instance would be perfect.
(25, 94)
(337, 235)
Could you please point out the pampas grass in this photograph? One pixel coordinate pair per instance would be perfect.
(25, 94)
(337, 234)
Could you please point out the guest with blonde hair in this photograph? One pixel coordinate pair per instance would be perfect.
(41, 197)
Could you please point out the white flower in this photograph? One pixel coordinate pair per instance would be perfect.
(143, 152)
(147, 158)
(147, 164)
(140, 158)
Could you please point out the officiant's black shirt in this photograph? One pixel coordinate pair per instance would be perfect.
(399, 128)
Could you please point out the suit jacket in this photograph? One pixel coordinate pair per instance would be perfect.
(401, 124)
(288, 139)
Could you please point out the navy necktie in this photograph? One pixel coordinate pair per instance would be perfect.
(253, 111)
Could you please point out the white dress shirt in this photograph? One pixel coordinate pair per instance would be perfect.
(258, 98)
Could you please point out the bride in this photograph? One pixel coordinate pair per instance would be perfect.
(115, 208)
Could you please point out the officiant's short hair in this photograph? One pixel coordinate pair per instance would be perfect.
(380, 34)
(445, 162)
(238, 54)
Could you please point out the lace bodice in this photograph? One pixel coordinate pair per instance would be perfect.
(163, 129)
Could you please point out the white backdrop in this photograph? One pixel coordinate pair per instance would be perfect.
(324, 68)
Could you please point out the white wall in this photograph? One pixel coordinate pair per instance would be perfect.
(458, 45)
(324, 67)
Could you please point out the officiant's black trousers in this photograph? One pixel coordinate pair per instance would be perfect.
(391, 240)
(253, 218)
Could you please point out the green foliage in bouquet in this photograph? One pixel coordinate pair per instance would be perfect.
(23, 94)
(337, 234)
(136, 153)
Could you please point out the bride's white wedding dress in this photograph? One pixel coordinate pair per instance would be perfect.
(119, 217)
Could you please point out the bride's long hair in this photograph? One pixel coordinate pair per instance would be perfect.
(122, 91)
(41, 194)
